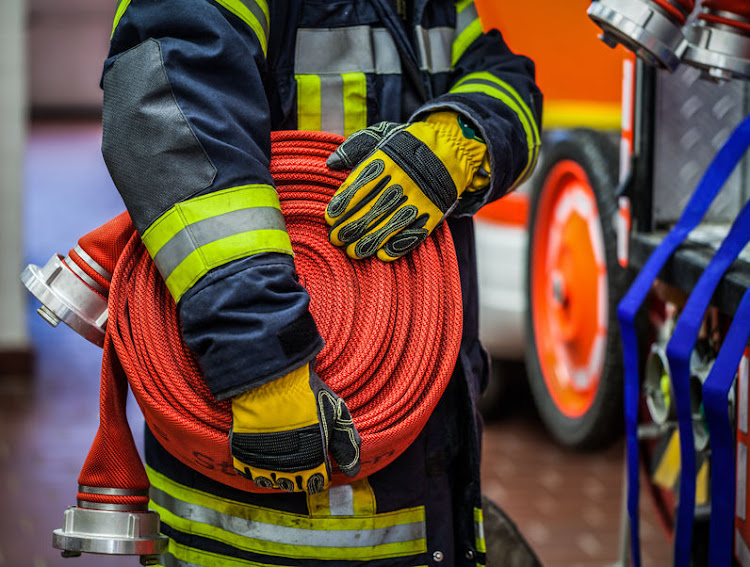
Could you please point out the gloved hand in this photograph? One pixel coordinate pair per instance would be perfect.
(282, 432)
(408, 178)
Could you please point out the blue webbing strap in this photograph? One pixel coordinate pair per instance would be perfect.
(679, 349)
(713, 179)
(715, 403)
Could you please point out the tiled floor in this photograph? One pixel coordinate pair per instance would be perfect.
(567, 504)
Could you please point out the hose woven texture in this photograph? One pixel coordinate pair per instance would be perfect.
(392, 330)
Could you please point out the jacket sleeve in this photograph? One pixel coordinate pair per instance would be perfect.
(186, 138)
(496, 90)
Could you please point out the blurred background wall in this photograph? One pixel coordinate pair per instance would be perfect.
(14, 341)
(67, 43)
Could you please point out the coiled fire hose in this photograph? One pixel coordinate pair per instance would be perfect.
(392, 334)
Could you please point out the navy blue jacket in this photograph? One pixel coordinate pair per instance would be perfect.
(191, 94)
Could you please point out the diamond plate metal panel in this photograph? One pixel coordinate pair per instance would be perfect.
(694, 118)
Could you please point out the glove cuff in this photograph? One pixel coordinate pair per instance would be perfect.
(461, 140)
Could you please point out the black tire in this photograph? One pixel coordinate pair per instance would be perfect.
(602, 420)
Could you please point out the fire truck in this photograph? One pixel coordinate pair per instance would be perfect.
(633, 294)
(549, 276)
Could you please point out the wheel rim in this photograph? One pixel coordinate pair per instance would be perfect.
(569, 289)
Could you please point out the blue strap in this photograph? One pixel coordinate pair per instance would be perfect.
(679, 349)
(715, 403)
(711, 183)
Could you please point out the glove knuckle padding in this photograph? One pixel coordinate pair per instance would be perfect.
(407, 239)
(338, 204)
(372, 241)
(423, 167)
(387, 202)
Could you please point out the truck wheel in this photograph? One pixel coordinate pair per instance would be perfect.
(574, 281)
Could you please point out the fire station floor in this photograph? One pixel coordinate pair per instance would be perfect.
(566, 504)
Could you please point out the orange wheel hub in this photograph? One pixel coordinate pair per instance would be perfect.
(569, 288)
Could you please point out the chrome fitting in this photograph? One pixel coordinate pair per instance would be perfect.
(719, 51)
(642, 28)
(111, 533)
(67, 298)
(657, 386)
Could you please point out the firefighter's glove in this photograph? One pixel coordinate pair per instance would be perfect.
(407, 179)
(282, 433)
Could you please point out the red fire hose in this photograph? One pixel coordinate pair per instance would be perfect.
(392, 334)
(732, 13)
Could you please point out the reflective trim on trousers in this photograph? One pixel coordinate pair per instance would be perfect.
(281, 534)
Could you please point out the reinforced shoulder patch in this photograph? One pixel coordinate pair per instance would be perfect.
(152, 153)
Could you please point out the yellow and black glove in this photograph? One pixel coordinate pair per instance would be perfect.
(408, 178)
(282, 433)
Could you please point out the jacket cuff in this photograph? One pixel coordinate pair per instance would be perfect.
(471, 202)
(248, 323)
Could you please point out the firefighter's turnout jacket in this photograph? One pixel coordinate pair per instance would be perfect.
(192, 90)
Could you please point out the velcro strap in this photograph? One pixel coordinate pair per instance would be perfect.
(282, 451)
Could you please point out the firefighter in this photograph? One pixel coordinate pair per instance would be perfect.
(192, 90)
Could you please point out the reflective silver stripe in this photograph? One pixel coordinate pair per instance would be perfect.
(341, 500)
(287, 535)
(522, 107)
(257, 11)
(93, 263)
(435, 46)
(479, 530)
(387, 60)
(355, 49)
(332, 103)
(340, 50)
(203, 232)
(465, 17)
(88, 280)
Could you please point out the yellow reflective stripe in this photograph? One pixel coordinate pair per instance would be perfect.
(309, 115)
(464, 40)
(355, 102)
(206, 206)
(341, 538)
(250, 17)
(577, 114)
(205, 232)
(220, 252)
(486, 83)
(274, 548)
(121, 7)
(184, 554)
(468, 29)
(479, 530)
(356, 499)
(276, 517)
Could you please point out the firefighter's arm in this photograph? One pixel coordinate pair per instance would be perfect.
(457, 152)
(495, 91)
(283, 431)
(187, 142)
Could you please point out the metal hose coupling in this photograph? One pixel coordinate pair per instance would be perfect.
(111, 528)
(652, 29)
(69, 295)
(718, 42)
(74, 289)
